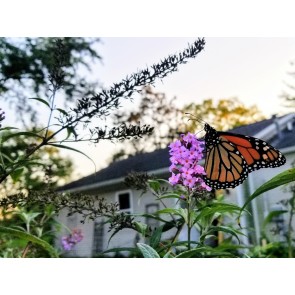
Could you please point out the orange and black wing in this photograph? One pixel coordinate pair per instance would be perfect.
(256, 152)
(224, 165)
(230, 157)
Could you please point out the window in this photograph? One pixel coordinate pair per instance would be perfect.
(124, 201)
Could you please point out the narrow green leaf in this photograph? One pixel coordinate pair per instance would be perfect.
(8, 128)
(15, 175)
(168, 211)
(204, 252)
(225, 229)
(280, 179)
(272, 215)
(62, 111)
(153, 216)
(30, 238)
(192, 253)
(156, 237)
(168, 255)
(40, 100)
(71, 149)
(147, 251)
(121, 249)
(25, 133)
(140, 227)
(154, 185)
(180, 243)
(169, 195)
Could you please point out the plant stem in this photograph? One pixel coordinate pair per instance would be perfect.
(290, 249)
(189, 221)
(26, 250)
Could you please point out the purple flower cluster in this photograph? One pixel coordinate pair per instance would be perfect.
(185, 155)
(68, 242)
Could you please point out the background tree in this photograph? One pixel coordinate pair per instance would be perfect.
(25, 64)
(288, 97)
(46, 165)
(224, 114)
(155, 109)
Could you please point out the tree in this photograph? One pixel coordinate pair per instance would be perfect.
(223, 115)
(154, 109)
(288, 97)
(46, 165)
(26, 63)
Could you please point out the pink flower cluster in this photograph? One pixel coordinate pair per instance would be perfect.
(185, 155)
(68, 242)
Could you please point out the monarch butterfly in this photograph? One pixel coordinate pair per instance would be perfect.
(231, 157)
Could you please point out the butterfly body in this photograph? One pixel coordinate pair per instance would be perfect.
(230, 157)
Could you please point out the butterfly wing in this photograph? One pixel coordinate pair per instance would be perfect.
(256, 152)
(224, 165)
(230, 157)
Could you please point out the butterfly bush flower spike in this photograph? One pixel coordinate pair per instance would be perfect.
(68, 242)
(184, 157)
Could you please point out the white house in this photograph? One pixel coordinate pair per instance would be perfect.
(108, 183)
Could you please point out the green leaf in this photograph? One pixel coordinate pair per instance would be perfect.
(71, 149)
(15, 175)
(180, 211)
(225, 229)
(30, 238)
(156, 236)
(121, 249)
(25, 133)
(153, 216)
(40, 100)
(192, 253)
(221, 208)
(7, 128)
(62, 111)
(169, 195)
(154, 185)
(204, 252)
(141, 227)
(271, 215)
(147, 251)
(280, 179)
(168, 255)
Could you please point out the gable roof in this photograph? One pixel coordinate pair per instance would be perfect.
(274, 130)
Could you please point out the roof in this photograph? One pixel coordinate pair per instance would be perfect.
(143, 162)
(254, 128)
(159, 159)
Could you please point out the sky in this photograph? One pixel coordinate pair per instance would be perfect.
(251, 69)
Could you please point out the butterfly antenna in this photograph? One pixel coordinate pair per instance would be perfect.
(198, 119)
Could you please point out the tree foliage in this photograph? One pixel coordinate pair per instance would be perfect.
(26, 63)
(224, 114)
(288, 97)
(156, 109)
(46, 165)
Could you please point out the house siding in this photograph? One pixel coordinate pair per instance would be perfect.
(124, 238)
